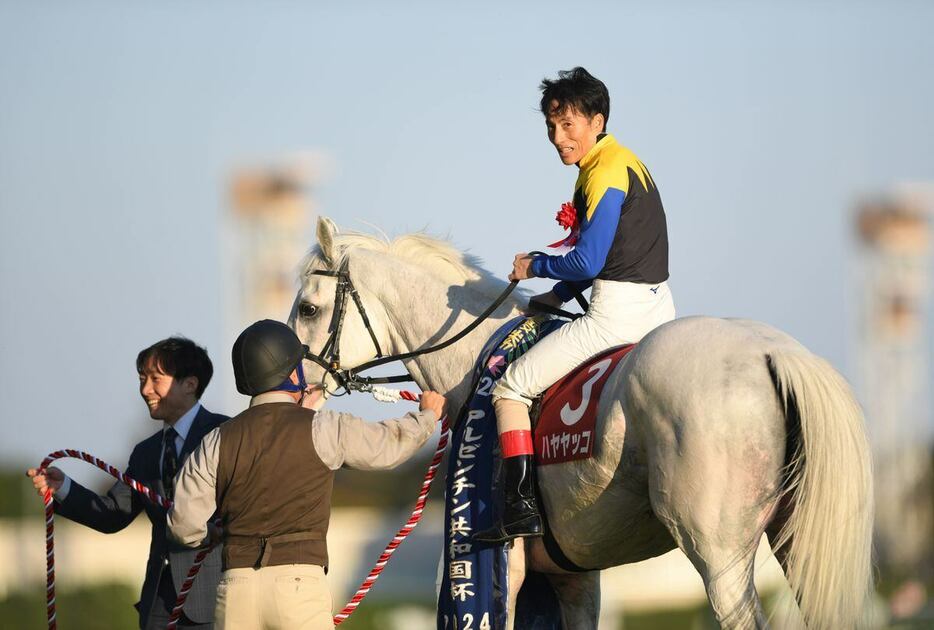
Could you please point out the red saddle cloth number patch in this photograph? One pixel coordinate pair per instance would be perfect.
(566, 427)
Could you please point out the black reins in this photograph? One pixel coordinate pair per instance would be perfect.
(350, 379)
(541, 307)
(560, 312)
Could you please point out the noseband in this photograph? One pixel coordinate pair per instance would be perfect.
(349, 379)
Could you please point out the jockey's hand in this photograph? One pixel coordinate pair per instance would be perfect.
(432, 400)
(521, 267)
(549, 298)
(51, 480)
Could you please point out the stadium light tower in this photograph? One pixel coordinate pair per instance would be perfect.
(267, 233)
(894, 355)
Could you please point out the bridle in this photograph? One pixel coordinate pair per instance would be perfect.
(349, 378)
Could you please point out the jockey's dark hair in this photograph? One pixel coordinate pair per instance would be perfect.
(577, 89)
(179, 358)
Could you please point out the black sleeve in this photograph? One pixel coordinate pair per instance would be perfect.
(107, 513)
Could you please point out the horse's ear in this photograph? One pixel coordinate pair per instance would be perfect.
(326, 230)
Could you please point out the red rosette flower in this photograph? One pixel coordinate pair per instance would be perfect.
(567, 218)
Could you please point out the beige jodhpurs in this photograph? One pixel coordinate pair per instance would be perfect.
(282, 597)
(619, 313)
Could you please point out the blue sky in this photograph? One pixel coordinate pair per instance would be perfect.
(120, 124)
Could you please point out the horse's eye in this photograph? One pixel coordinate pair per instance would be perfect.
(306, 309)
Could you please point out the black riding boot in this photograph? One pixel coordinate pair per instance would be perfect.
(520, 516)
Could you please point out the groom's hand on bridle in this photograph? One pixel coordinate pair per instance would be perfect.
(433, 401)
(314, 397)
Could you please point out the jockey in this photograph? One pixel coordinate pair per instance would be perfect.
(620, 243)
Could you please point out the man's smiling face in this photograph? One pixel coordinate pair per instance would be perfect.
(572, 133)
(168, 398)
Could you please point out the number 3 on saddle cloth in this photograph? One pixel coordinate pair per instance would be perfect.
(474, 576)
(566, 417)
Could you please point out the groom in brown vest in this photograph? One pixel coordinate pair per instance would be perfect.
(269, 473)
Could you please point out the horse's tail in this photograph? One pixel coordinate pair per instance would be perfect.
(828, 485)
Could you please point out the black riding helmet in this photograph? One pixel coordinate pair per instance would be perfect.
(264, 356)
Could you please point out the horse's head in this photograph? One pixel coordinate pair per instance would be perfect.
(415, 291)
(325, 304)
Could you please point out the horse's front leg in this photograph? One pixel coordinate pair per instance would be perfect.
(516, 575)
(578, 593)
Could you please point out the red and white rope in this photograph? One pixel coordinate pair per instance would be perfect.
(50, 527)
(49, 560)
(416, 516)
(386, 395)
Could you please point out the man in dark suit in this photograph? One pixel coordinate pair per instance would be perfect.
(173, 374)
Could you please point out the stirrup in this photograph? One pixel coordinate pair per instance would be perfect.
(526, 527)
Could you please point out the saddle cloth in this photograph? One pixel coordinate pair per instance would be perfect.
(474, 577)
(565, 427)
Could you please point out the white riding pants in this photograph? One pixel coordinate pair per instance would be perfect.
(619, 313)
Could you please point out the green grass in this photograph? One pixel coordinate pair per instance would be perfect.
(695, 618)
(101, 607)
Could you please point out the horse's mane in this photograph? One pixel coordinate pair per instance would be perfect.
(437, 257)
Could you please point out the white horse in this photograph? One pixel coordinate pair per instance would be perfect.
(711, 432)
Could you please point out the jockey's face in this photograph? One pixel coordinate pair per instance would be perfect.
(572, 133)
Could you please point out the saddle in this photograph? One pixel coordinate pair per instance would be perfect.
(564, 418)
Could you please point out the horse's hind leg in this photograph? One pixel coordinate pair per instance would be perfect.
(728, 578)
(714, 436)
(716, 523)
(716, 506)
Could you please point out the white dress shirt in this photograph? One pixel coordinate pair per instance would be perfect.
(182, 426)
